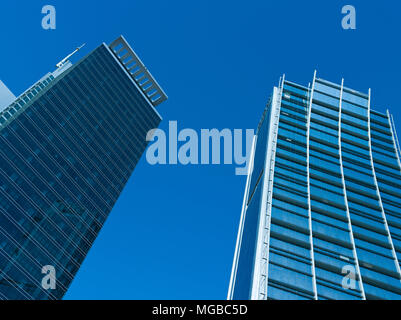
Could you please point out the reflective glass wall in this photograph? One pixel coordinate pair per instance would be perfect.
(333, 219)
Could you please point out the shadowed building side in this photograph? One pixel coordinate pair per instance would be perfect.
(68, 146)
(322, 212)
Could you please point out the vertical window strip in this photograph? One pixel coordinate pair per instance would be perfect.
(345, 194)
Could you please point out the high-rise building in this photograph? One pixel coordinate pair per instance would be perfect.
(321, 217)
(68, 146)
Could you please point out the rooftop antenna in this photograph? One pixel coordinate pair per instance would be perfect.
(65, 60)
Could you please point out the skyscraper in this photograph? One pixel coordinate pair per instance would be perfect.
(321, 217)
(68, 146)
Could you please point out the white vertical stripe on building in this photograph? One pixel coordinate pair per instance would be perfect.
(260, 275)
(308, 181)
(395, 138)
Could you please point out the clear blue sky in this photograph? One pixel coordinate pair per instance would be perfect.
(172, 233)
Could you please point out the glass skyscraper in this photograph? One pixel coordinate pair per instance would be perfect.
(321, 217)
(68, 146)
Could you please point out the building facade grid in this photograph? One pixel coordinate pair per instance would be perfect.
(325, 188)
(68, 146)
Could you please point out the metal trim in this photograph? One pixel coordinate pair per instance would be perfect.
(139, 73)
(260, 276)
(308, 182)
(395, 137)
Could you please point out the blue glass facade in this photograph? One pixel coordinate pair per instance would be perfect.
(67, 148)
(325, 219)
